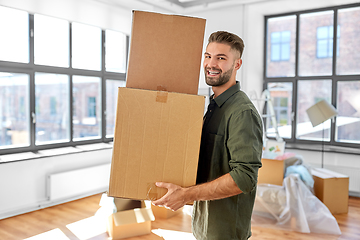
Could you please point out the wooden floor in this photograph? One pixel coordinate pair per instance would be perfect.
(75, 220)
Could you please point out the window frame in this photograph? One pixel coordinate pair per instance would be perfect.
(31, 68)
(293, 142)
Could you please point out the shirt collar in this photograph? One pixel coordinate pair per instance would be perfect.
(222, 98)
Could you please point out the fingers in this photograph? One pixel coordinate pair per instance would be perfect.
(163, 185)
(172, 199)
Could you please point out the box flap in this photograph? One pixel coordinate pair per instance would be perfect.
(123, 204)
(325, 173)
(157, 138)
(165, 52)
(137, 215)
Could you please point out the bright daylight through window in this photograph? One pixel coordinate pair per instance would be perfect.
(58, 81)
(309, 60)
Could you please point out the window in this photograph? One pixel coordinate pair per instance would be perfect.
(309, 93)
(91, 106)
(309, 63)
(51, 41)
(115, 54)
(14, 24)
(280, 46)
(348, 120)
(281, 96)
(60, 83)
(86, 52)
(14, 109)
(324, 46)
(86, 123)
(280, 54)
(347, 62)
(52, 97)
(52, 106)
(111, 104)
(326, 66)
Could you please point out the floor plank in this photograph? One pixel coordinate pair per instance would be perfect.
(62, 218)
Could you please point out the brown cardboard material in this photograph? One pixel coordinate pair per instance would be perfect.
(271, 172)
(154, 141)
(130, 223)
(332, 189)
(164, 213)
(165, 52)
(123, 204)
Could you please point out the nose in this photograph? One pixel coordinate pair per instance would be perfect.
(210, 62)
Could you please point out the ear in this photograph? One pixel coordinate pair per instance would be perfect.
(238, 63)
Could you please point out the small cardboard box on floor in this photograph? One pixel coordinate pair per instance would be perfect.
(332, 189)
(159, 117)
(129, 218)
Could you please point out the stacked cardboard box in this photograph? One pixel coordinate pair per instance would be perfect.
(159, 116)
(157, 132)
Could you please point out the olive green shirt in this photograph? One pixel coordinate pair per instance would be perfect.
(231, 142)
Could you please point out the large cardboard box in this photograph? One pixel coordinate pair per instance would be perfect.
(272, 171)
(157, 138)
(130, 223)
(165, 52)
(332, 189)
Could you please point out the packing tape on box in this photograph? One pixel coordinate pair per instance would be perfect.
(161, 88)
(152, 192)
(161, 96)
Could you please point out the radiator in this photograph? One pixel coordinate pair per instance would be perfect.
(353, 173)
(81, 182)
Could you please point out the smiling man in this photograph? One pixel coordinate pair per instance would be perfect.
(230, 151)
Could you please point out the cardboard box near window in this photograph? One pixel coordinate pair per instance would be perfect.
(332, 189)
(159, 117)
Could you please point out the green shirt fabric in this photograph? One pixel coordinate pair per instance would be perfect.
(231, 142)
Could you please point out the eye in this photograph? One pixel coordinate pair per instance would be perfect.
(207, 56)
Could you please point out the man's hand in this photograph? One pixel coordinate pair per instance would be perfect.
(174, 199)
(177, 196)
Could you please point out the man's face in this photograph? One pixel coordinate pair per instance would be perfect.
(219, 64)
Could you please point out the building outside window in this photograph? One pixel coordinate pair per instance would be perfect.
(323, 64)
(91, 107)
(324, 46)
(280, 46)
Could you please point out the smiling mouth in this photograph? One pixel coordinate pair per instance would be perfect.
(212, 73)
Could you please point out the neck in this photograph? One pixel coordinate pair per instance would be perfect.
(220, 89)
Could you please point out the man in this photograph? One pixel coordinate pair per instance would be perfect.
(230, 151)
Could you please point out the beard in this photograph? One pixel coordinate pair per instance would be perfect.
(219, 80)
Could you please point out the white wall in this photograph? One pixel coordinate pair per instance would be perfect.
(23, 184)
(91, 12)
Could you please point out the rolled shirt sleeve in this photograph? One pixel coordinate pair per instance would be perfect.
(245, 147)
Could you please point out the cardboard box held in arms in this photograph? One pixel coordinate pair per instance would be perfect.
(159, 117)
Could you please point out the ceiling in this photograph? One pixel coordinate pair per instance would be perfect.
(179, 6)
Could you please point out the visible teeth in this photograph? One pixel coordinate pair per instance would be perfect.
(213, 72)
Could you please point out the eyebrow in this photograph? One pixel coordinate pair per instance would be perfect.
(218, 55)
